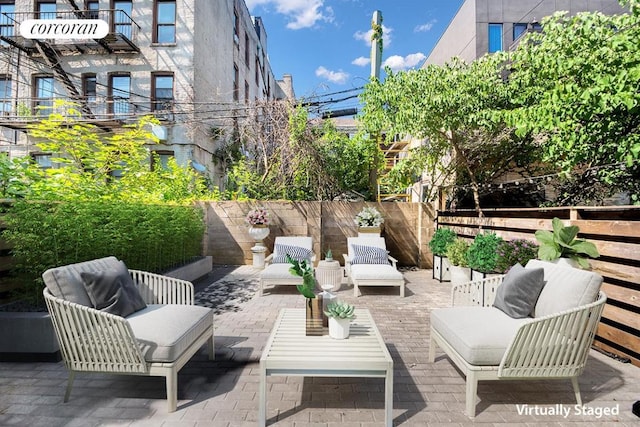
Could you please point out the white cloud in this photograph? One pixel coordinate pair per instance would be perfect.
(366, 36)
(361, 61)
(301, 13)
(397, 62)
(425, 27)
(339, 77)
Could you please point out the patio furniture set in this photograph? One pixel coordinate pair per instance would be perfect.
(535, 322)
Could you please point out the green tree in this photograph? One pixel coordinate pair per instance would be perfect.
(575, 86)
(453, 108)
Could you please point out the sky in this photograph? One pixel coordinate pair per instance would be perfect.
(325, 45)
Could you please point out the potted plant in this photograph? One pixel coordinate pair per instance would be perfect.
(328, 255)
(442, 238)
(482, 255)
(563, 243)
(456, 254)
(340, 315)
(258, 220)
(516, 251)
(369, 220)
(313, 304)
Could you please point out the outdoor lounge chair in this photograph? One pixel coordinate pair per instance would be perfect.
(547, 337)
(367, 263)
(276, 270)
(158, 338)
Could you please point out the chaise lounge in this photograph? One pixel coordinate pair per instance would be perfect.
(536, 322)
(111, 319)
(276, 270)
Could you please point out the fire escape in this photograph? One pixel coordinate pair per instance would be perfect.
(120, 40)
(393, 151)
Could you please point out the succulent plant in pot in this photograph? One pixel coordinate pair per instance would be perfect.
(340, 314)
(562, 242)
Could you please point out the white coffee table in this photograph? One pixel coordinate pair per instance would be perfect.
(290, 352)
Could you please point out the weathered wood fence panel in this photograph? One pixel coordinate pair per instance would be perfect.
(616, 233)
(407, 228)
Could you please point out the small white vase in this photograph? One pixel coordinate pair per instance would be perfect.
(339, 328)
(258, 233)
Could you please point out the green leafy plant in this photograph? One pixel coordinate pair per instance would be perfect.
(442, 238)
(456, 252)
(512, 252)
(482, 255)
(563, 243)
(303, 269)
(340, 310)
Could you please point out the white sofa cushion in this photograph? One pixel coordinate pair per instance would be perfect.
(565, 288)
(165, 331)
(479, 334)
(375, 272)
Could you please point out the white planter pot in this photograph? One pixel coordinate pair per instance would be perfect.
(259, 233)
(478, 275)
(441, 268)
(339, 328)
(459, 275)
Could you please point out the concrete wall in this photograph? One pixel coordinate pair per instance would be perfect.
(408, 227)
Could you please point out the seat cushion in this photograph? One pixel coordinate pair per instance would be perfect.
(65, 282)
(165, 331)
(519, 291)
(480, 335)
(379, 272)
(566, 288)
(278, 271)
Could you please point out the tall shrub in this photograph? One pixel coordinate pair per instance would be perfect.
(145, 237)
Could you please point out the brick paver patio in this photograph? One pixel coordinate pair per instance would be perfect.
(225, 392)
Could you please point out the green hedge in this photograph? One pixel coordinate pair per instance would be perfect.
(146, 237)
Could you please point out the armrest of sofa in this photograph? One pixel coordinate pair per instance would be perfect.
(476, 293)
(347, 264)
(159, 289)
(556, 345)
(93, 340)
(394, 261)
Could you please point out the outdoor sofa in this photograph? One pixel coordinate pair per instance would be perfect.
(110, 319)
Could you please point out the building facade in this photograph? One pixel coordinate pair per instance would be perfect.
(485, 26)
(197, 66)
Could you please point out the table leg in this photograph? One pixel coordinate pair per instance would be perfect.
(262, 404)
(388, 397)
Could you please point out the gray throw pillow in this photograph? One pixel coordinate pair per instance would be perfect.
(113, 291)
(296, 252)
(363, 254)
(519, 291)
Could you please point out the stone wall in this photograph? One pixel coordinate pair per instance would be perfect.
(407, 228)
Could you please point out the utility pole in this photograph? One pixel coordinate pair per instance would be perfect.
(376, 54)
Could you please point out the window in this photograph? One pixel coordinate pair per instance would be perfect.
(5, 95)
(93, 7)
(236, 89)
(43, 95)
(518, 30)
(42, 160)
(6, 23)
(120, 93)
(165, 21)
(162, 91)
(160, 158)
(122, 17)
(495, 37)
(247, 50)
(46, 9)
(89, 84)
(257, 70)
(246, 92)
(236, 29)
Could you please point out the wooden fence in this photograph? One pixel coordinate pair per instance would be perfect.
(616, 233)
